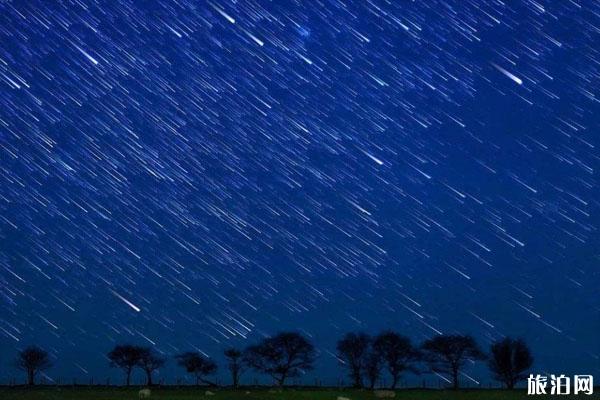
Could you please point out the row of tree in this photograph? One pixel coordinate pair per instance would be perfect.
(290, 354)
(366, 357)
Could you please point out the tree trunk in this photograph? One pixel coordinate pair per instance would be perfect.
(455, 379)
(30, 375)
(281, 380)
(510, 385)
(235, 378)
(149, 381)
(128, 377)
(357, 380)
(394, 381)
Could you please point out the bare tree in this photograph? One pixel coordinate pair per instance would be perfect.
(398, 354)
(449, 353)
(282, 356)
(510, 359)
(32, 360)
(197, 365)
(125, 357)
(234, 364)
(149, 361)
(352, 351)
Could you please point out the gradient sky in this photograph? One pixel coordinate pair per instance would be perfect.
(194, 175)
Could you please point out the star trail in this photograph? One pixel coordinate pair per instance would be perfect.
(192, 175)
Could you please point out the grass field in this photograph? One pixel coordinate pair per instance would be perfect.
(104, 393)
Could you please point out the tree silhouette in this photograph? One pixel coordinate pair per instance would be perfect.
(352, 350)
(234, 364)
(125, 357)
(372, 367)
(197, 365)
(282, 356)
(149, 361)
(449, 353)
(398, 354)
(510, 359)
(32, 360)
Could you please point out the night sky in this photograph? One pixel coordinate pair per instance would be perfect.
(192, 175)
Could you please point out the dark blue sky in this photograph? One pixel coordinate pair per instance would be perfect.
(194, 175)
